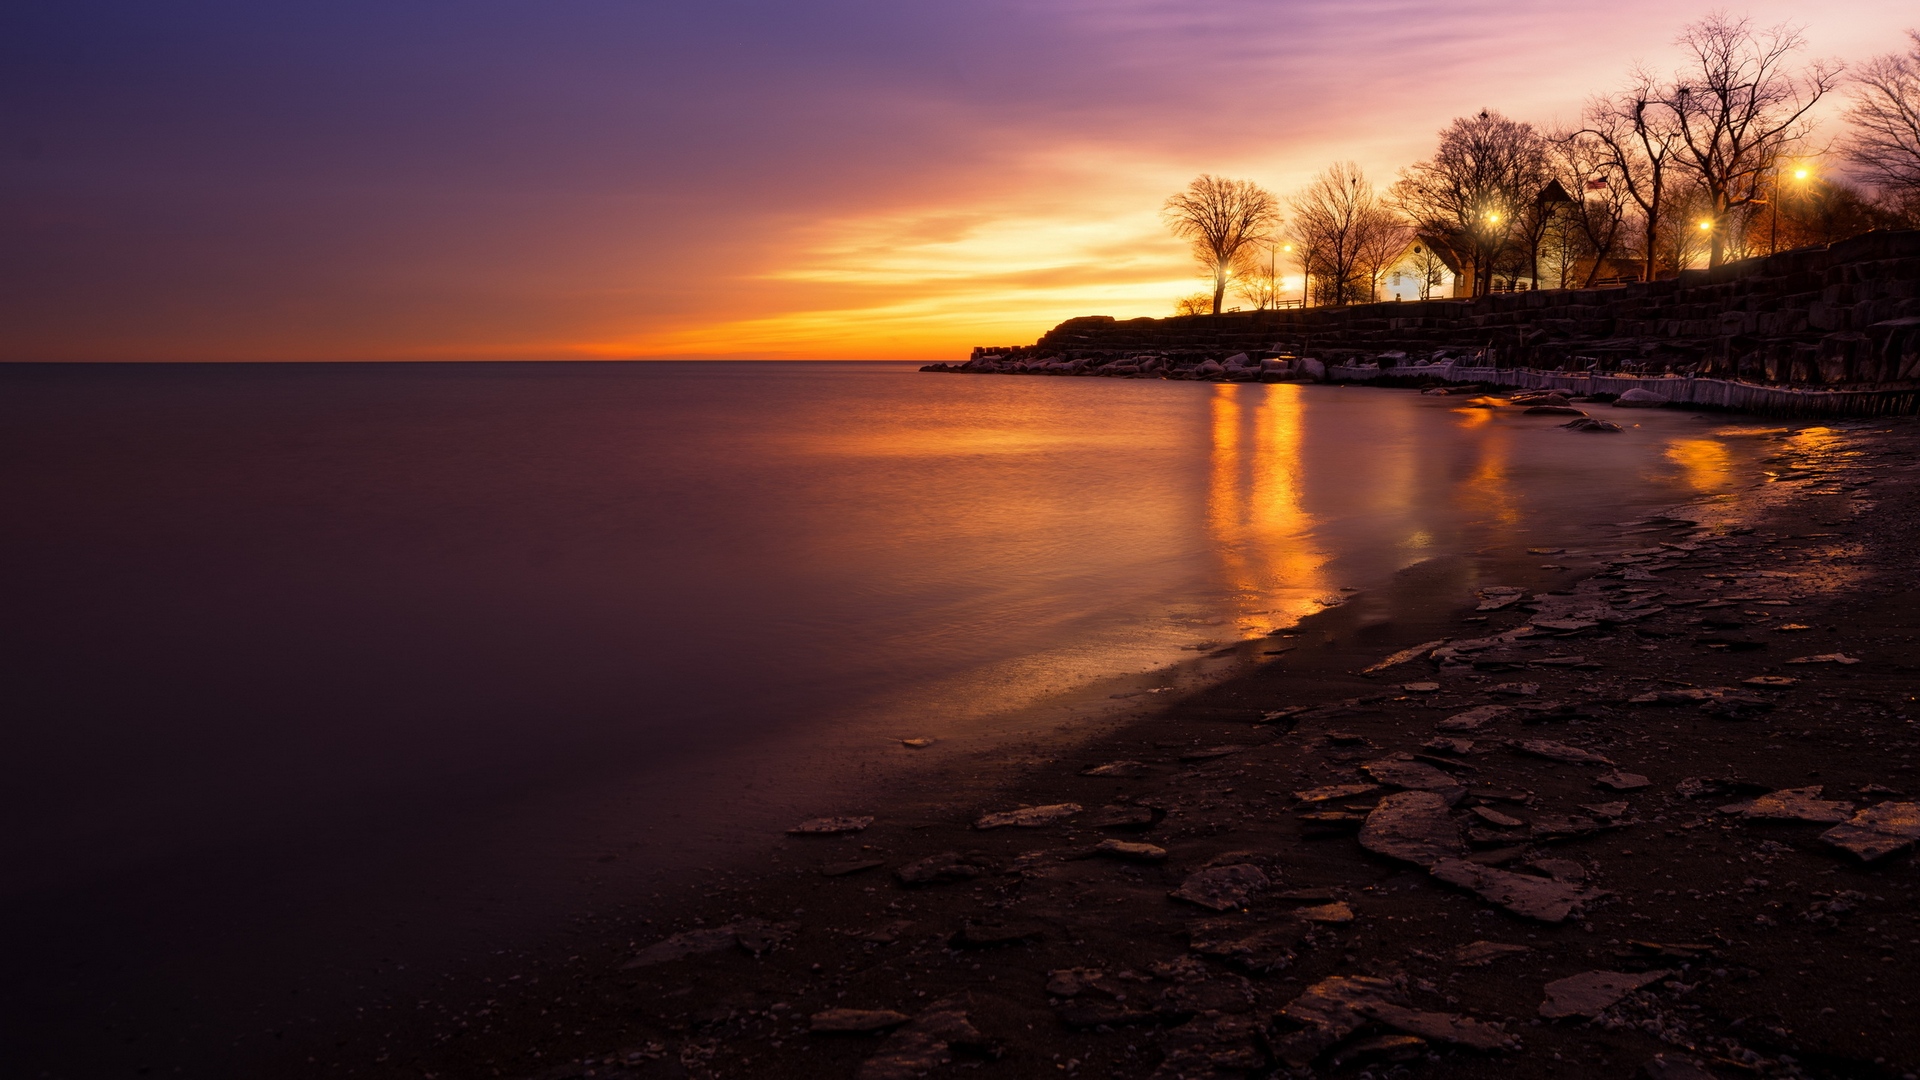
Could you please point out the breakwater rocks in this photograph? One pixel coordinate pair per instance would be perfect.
(1844, 315)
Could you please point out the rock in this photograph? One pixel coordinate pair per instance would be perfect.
(1420, 687)
(945, 867)
(1384, 1049)
(1448, 746)
(1663, 1067)
(1555, 410)
(830, 826)
(1496, 597)
(753, 935)
(1561, 870)
(1798, 804)
(1771, 680)
(1482, 953)
(855, 1021)
(1209, 753)
(1526, 896)
(1258, 949)
(1592, 992)
(1607, 810)
(1587, 423)
(851, 866)
(1335, 791)
(1070, 982)
(989, 935)
(1122, 817)
(1336, 912)
(1473, 719)
(1516, 689)
(1222, 888)
(1637, 398)
(1410, 774)
(1029, 817)
(1411, 826)
(886, 933)
(916, 744)
(1623, 781)
(1126, 769)
(1212, 1047)
(1497, 819)
(1332, 1009)
(925, 1043)
(1824, 658)
(1878, 831)
(1120, 849)
(1403, 656)
(1554, 751)
(1223, 994)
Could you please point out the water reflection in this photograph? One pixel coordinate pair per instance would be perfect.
(1705, 464)
(1262, 534)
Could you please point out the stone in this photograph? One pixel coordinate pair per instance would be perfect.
(916, 744)
(1592, 992)
(1420, 687)
(1561, 870)
(1222, 888)
(1623, 781)
(1587, 423)
(850, 866)
(1607, 810)
(1259, 949)
(1412, 826)
(1212, 1046)
(1529, 897)
(1638, 398)
(1771, 680)
(830, 826)
(1496, 818)
(855, 1021)
(1878, 831)
(1516, 689)
(1333, 792)
(1125, 769)
(1443, 745)
(1120, 849)
(1482, 953)
(1332, 1009)
(886, 933)
(1494, 598)
(947, 866)
(1473, 719)
(1555, 751)
(1797, 804)
(1824, 658)
(923, 1044)
(1029, 817)
(1122, 817)
(1336, 912)
(1070, 982)
(1410, 774)
(753, 935)
(1209, 753)
(1403, 656)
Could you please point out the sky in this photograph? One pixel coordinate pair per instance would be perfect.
(729, 179)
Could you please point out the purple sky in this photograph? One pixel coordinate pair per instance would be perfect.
(565, 178)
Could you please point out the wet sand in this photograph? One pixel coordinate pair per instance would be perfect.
(1757, 947)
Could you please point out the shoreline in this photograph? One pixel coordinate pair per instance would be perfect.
(1775, 912)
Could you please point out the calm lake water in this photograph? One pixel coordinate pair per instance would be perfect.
(317, 672)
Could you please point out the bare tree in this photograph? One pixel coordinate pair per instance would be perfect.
(1586, 166)
(1194, 305)
(1639, 138)
(1344, 232)
(1738, 106)
(1430, 265)
(1220, 218)
(1484, 174)
(1256, 274)
(1884, 140)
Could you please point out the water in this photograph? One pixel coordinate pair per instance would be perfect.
(318, 674)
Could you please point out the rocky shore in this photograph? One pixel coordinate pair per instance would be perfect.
(1643, 808)
(1843, 315)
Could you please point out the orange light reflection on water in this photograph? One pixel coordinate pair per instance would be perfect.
(1261, 530)
(1705, 464)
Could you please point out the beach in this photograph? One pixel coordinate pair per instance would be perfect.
(1556, 850)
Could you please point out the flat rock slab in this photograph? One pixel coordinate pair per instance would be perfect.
(948, 866)
(1482, 953)
(856, 1021)
(753, 935)
(1825, 658)
(1556, 751)
(1335, 791)
(1798, 804)
(1209, 753)
(1622, 781)
(1404, 656)
(1337, 912)
(1592, 992)
(1029, 817)
(1332, 1009)
(1878, 831)
(1415, 775)
(1122, 817)
(1473, 719)
(1412, 826)
(1256, 948)
(1223, 888)
(1529, 897)
(1124, 769)
(850, 866)
(830, 826)
(1121, 849)
(923, 1044)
